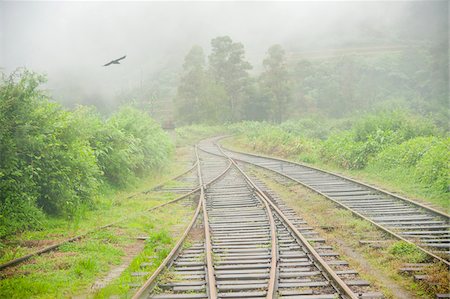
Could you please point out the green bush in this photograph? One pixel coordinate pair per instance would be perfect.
(53, 160)
(401, 126)
(272, 139)
(314, 127)
(406, 154)
(425, 159)
(433, 168)
(67, 172)
(135, 145)
(371, 135)
(341, 149)
(19, 192)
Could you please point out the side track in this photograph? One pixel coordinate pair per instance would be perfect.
(188, 178)
(187, 271)
(407, 220)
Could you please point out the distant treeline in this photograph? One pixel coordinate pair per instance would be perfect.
(220, 88)
(54, 161)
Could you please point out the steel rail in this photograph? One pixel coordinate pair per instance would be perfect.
(429, 253)
(271, 291)
(145, 289)
(211, 278)
(343, 288)
(418, 204)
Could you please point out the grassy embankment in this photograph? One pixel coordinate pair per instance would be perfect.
(395, 151)
(106, 257)
(75, 267)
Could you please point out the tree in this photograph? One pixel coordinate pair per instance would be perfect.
(192, 86)
(229, 69)
(275, 80)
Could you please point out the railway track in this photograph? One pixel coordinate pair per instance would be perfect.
(183, 183)
(405, 219)
(188, 179)
(187, 272)
(252, 247)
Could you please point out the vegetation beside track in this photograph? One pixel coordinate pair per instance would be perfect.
(112, 206)
(76, 269)
(378, 263)
(57, 163)
(395, 150)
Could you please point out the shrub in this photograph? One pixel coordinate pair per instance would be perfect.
(425, 158)
(272, 139)
(406, 154)
(137, 145)
(342, 150)
(67, 174)
(18, 95)
(402, 125)
(316, 127)
(433, 167)
(371, 135)
(53, 160)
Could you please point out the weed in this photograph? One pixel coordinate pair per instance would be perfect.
(407, 252)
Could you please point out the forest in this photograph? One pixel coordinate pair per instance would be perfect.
(221, 89)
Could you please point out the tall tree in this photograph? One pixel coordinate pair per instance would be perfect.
(275, 82)
(192, 86)
(230, 69)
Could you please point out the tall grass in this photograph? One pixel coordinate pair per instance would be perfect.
(54, 161)
(395, 146)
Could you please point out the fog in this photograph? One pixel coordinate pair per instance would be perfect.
(70, 41)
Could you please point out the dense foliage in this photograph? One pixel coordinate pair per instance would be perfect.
(395, 145)
(371, 134)
(52, 161)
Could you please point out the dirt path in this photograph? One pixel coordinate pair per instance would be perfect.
(131, 251)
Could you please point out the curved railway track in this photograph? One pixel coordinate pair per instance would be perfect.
(191, 274)
(187, 178)
(250, 248)
(405, 219)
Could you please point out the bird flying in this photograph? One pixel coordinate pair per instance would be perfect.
(115, 61)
